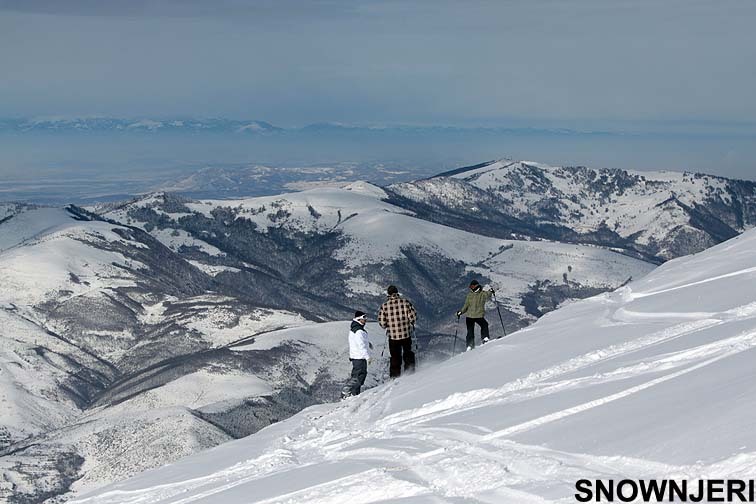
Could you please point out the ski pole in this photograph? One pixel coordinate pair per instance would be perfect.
(454, 345)
(416, 344)
(499, 311)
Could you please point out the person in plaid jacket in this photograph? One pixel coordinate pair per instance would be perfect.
(398, 317)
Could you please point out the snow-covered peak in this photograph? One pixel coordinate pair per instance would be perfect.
(366, 188)
(655, 380)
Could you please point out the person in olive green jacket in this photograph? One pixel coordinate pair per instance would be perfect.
(475, 308)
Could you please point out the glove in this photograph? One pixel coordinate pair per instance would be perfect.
(493, 291)
(370, 345)
(459, 314)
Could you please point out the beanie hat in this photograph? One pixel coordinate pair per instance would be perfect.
(392, 290)
(359, 314)
(474, 282)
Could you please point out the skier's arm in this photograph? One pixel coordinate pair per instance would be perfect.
(466, 306)
(365, 344)
(411, 313)
(382, 319)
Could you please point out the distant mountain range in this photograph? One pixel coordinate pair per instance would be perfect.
(103, 124)
(112, 124)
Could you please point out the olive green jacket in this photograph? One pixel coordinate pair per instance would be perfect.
(475, 303)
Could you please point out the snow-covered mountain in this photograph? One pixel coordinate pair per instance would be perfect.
(345, 244)
(652, 381)
(141, 333)
(112, 348)
(654, 215)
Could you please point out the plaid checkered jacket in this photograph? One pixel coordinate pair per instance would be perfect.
(398, 317)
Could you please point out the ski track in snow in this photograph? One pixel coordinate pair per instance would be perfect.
(731, 346)
(745, 271)
(484, 397)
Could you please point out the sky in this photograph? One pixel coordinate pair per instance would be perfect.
(383, 61)
(647, 67)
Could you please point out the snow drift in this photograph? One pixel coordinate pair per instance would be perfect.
(654, 380)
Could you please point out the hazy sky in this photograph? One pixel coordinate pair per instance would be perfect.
(585, 62)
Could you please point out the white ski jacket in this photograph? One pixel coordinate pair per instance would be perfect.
(359, 346)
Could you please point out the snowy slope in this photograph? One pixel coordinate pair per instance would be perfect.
(655, 380)
(31, 373)
(45, 252)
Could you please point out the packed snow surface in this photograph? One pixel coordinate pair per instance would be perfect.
(654, 380)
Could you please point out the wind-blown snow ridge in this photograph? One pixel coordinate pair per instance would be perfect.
(655, 380)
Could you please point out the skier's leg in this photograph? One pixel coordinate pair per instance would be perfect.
(409, 355)
(395, 366)
(470, 322)
(359, 373)
(354, 384)
(348, 389)
(483, 329)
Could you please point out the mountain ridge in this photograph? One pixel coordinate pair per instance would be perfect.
(577, 204)
(156, 125)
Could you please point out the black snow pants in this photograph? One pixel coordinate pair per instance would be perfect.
(401, 350)
(359, 373)
(471, 330)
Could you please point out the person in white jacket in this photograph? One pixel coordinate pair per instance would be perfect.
(359, 354)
